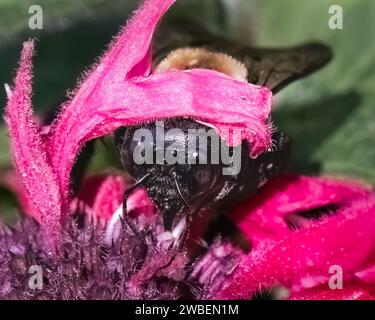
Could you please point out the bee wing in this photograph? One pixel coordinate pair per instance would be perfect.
(176, 34)
(272, 68)
(276, 68)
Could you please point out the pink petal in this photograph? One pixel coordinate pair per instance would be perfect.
(116, 94)
(128, 51)
(302, 258)
(352, 291)
(30, 160)
(367, 274)
(263, 217)
(102, 196)
(140, 204)
(201, 94)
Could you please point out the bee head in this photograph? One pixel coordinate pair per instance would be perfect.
(187, 167)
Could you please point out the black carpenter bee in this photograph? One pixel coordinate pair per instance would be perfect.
(185, 187)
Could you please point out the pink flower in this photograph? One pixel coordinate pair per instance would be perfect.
(121, 90)
(299, 227)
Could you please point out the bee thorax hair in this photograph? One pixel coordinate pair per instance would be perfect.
(192, 58)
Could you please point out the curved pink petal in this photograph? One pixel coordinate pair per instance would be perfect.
(204, 95)
(302, 258)
(29, 157)
(117, 94)
(264, 217)
(128, 51)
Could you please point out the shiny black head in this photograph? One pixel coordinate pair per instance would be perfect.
(190, 167)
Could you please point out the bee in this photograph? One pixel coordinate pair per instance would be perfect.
(185, 188)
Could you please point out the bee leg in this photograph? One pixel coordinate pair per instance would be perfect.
(185, 233)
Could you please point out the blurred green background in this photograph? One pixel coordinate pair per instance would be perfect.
(330, 116)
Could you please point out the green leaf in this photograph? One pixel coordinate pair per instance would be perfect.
(4, 148)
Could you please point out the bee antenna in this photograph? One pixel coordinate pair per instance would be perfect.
(180, 193)
(186, 230)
